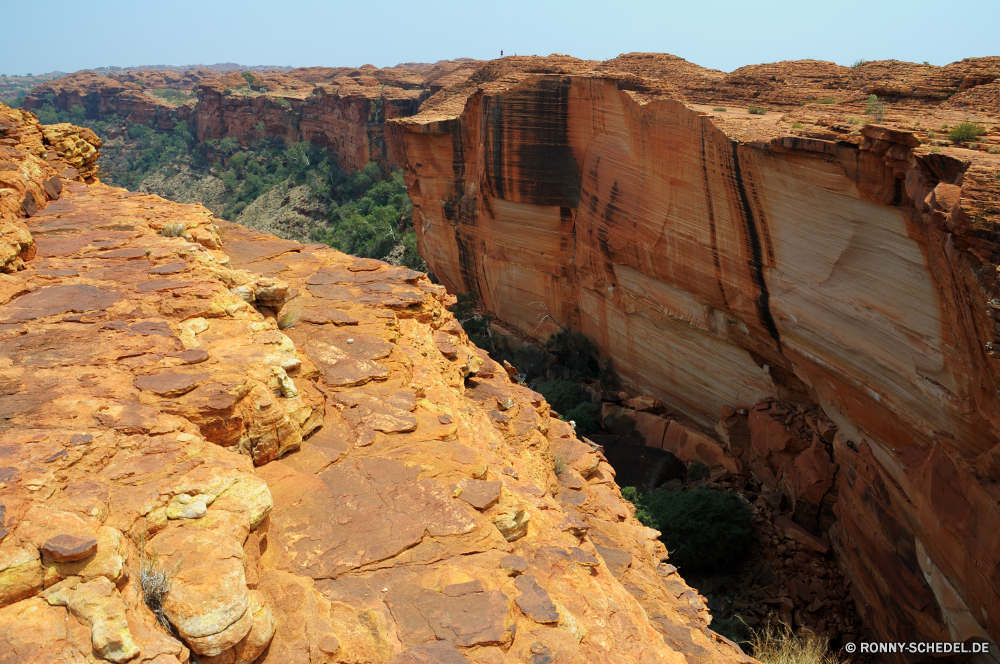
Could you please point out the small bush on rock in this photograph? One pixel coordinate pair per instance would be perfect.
(173, 229)
(155, 582)
(562, 395)
(586, 416)
(875, 108)
(778, 645)
(965, 132)
(756, 110)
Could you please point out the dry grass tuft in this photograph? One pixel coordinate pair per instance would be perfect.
(173, 229)
(778, 645)
(155, 582)
(289, 316)
(559, 463)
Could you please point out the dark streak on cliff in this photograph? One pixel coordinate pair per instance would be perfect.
(536, 121)
(711, 219)
(460, 212)
(755, 249)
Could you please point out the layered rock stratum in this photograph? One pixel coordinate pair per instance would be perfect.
(220, 446)
(806, 274)
(340, 108)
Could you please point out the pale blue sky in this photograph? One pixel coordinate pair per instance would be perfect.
(726, 34)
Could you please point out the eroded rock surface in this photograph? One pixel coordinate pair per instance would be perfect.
(751, 270)
(184, 479)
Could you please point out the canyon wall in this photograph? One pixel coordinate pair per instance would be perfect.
(343, 109)
(729, 258)
(220, 446)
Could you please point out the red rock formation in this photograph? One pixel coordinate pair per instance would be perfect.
(101, 96)
(342, 108)
(310, 450)
(724, 259)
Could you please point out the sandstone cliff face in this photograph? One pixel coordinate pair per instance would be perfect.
(724, 260)
(342, 108)
(307, 446)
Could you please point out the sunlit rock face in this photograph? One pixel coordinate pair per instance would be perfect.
(722, 259)
(220, 446)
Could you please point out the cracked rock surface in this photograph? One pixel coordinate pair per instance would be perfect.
(331, 491)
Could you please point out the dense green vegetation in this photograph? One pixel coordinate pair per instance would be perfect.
(14, 88)
(566, 372)
(704, 530)
(368, 212)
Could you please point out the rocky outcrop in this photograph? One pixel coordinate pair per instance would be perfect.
(220, 446)
(816, 288)
(32, 158)
(343, 109)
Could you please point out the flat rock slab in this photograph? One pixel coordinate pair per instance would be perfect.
(157, 285)
(169, 384)
(340, 369)
(325, 315)
(48, 247)
(435, 652)
(146, 327)
(69, 548)
(192, 356)
(126, 254)
(169, 268)
(331, 292)
(241, 251)
(59, 299)
(479, 493)
(365, 265)
(468, 619)
(534, 600)
(513, 565)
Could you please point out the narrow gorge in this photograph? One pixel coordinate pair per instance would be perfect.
(225, 446)
(741, 245)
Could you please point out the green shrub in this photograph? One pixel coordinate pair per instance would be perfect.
(562, 395)
(698, 471)
(875, 108)
(993, 149)
(704, 530)
(719, 109)
(858, 63)
(796, 125)
(586, 416)
(853, 121)
(575, 351)
(827, 100)
(756, 110)
(966, 131)
(282, 102)
(465, 312)
(227, 92)
(248, 77)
